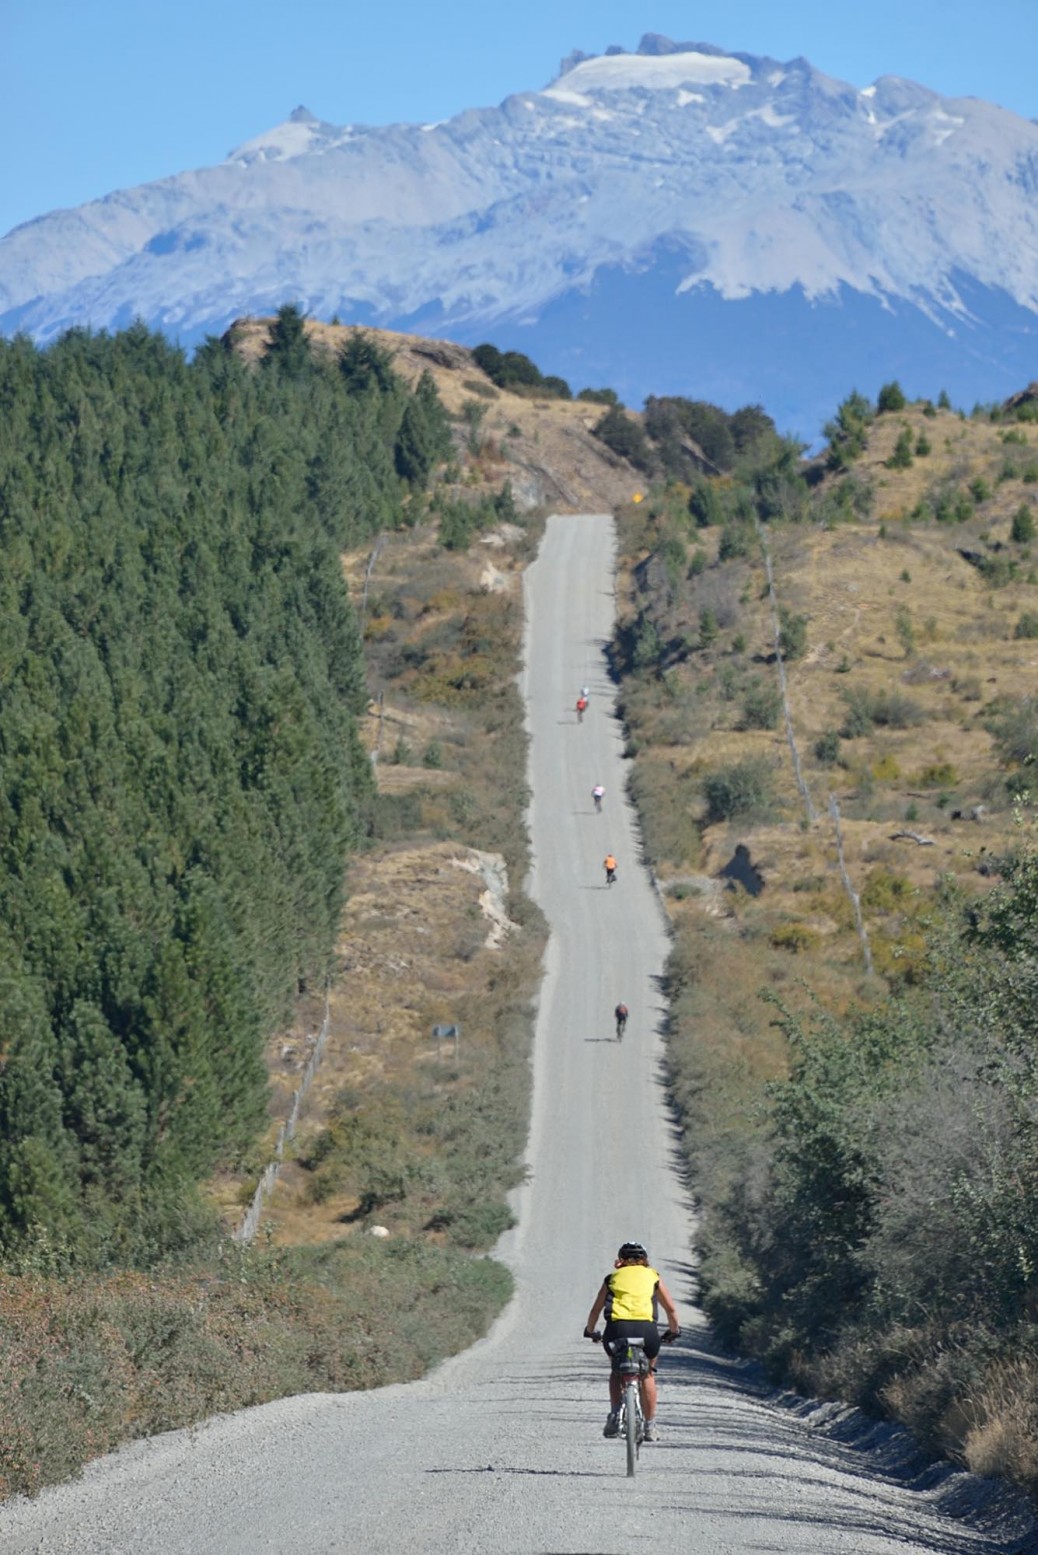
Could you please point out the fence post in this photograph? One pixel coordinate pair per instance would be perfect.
(805, 792)
(866, 950)
(251, 1219)
(372, 559)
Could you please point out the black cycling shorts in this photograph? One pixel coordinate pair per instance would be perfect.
(629, 1330)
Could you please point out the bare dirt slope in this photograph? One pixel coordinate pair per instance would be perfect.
(502, 1448)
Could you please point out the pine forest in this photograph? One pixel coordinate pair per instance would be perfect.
(180, 775)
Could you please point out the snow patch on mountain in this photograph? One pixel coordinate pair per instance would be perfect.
(636, 72)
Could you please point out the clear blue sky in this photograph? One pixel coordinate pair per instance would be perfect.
(99, 95)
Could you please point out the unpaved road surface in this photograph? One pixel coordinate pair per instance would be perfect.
(502, 1449)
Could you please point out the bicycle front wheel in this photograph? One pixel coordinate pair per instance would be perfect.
(631, 1413)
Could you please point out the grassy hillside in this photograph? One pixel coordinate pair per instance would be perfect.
(853, 1056)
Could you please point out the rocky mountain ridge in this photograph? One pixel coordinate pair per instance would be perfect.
(678, 219)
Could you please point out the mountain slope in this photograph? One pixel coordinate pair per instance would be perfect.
(675, 218)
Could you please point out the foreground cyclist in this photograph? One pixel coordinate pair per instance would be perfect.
(629, 1298)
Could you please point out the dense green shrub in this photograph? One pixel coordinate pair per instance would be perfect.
(512, 370)
(999, 571)
(761, 705)
(951, 505)
(894, 1177)
(866, 709)
(741, 790)
(1013, 724)
(827, 748)
(1023, 527)
(625, 437)
(792, 635)
(736, 540)
(706, 505)
(462, 518)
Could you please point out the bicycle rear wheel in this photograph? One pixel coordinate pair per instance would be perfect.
(631, 1412)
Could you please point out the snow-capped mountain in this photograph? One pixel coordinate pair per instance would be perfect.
(673, 220)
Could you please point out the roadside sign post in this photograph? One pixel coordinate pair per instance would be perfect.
(448, 1034)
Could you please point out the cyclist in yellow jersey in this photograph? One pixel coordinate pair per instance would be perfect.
(629, 1297)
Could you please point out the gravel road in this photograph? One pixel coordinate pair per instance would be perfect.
(501, 1449)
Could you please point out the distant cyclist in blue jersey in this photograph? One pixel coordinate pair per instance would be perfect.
(629, 1297)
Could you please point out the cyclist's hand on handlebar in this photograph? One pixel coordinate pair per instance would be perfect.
(670, 1336)
(593, 1333)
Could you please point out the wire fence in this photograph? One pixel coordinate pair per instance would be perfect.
(246, 1231)
(805, 793)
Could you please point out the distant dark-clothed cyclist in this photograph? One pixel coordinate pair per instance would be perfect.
(620, 1014)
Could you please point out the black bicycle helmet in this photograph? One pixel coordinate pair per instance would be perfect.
(632, 1250)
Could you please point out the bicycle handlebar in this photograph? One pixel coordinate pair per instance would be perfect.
(668, 1337)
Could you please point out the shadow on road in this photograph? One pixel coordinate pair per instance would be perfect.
(493, 1468)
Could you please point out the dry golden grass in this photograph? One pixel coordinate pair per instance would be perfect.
(412, 951)
(425, 938)
(891, 610)
(962, 450)
(895, 611)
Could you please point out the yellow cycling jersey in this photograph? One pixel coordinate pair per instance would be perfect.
(631, 1294)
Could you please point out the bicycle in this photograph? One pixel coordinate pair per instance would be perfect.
(632, 1370)
(621, 1021)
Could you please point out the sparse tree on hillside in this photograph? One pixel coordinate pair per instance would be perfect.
(792, 635)
(890, 398)
(1023, 529)
(848, 431)
(904, 448)
(288, 350)
(365, 366)
(424, 435)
